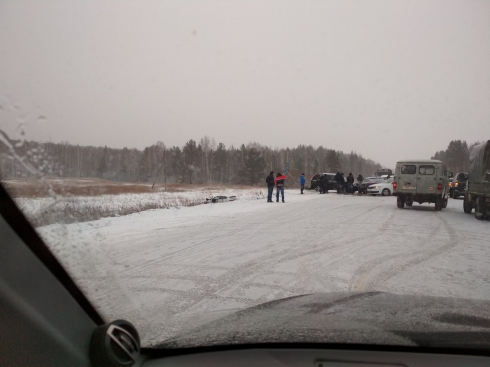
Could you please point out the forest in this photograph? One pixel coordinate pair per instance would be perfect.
(456, 156)
(197, 162)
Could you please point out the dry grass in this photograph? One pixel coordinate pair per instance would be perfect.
(34, 188)
(69, 212)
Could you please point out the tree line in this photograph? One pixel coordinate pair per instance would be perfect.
(197, 162)
(456, 156)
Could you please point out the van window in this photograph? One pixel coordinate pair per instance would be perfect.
(427, 170)
(409, 169)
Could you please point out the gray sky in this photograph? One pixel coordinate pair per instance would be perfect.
(388, 79)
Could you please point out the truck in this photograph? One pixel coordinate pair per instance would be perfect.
(477, 193)
(422, 181)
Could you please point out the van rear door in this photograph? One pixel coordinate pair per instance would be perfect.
(426, 179)
(407, 178)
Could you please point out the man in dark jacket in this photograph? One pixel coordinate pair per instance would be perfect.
(325, 185)
(321, 184)
(338, 180)
(350, 183)
(360, 178)
(270, 186)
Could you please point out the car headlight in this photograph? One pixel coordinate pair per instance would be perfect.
(456, 184)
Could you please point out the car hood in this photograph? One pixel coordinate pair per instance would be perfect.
(348, 318)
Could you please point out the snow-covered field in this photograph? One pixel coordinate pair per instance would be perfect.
(160, 268)
(68, 209)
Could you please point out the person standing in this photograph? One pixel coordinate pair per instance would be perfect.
(360, 178)
(325, 185)
(321, 185)
(337, 179)
(279, 181)
(343, 184)
(350, 183)
(270, 186)
(302, 181)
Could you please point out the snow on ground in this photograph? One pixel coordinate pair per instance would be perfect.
(47, 210)
(159, 268)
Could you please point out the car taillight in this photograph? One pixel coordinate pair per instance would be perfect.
(439, 187)
(394, 185)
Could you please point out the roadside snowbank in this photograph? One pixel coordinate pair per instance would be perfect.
(45, 211)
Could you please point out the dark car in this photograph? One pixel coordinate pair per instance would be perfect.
(458, 185)
(315, 181)
(362, 187)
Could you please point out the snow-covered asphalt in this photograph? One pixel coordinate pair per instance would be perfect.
(160, 267)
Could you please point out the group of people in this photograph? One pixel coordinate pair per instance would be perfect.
(278, 182)
(343, 184)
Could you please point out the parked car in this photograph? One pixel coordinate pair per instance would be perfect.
(423, 181)
(477, 193)
(315, 181)
(368, 182)
(384, 188)
(458, 185)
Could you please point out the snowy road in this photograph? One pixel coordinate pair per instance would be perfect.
(174, 264)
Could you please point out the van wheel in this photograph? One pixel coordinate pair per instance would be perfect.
(444, 203)
(439, 204)
(400, 202)
(479, 209)
(467, 206)
(386, 192)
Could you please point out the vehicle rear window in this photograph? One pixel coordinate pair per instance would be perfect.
(462, 177)
(409, 169)
(427, 170)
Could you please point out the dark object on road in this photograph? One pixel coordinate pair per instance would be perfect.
(477, 193)
(423, 181)
(220, 199)
(458, 185)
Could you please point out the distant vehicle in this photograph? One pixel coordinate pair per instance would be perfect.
(477, 194)
(384, 172)
(383, 188)
(315, 181)
(220, 199)
(423, 181)
(362, 187)
(458, 185)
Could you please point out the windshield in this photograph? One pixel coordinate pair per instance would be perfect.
(169, 152)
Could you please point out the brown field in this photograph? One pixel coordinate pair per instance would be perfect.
(38, 188)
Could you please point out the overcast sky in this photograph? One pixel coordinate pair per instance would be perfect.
(388, 79)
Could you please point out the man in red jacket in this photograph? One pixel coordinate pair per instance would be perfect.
(279, 181)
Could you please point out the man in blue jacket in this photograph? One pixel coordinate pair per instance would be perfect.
(302, 181)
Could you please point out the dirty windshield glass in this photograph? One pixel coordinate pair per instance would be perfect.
(173, 156)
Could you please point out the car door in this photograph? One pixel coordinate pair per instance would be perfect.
(426, 179)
